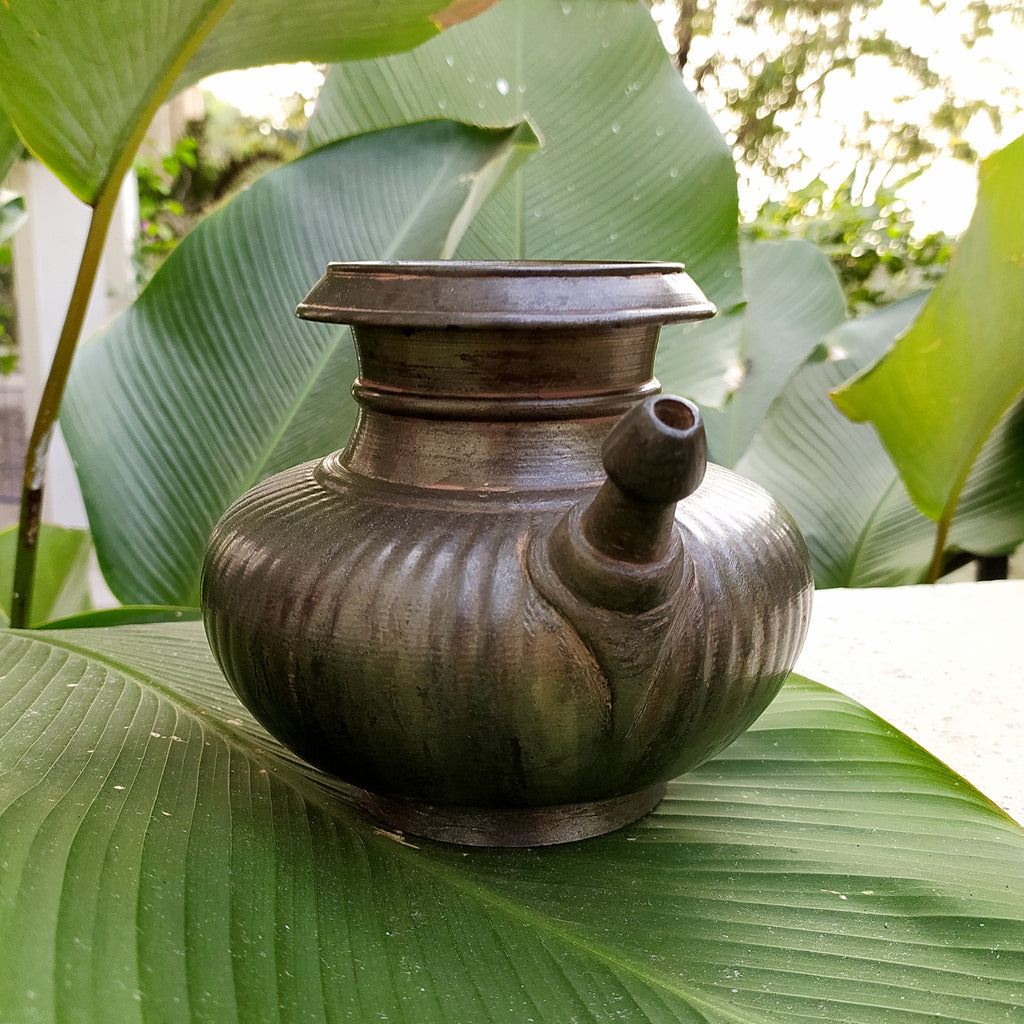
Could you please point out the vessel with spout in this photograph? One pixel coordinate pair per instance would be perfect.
(519, 600)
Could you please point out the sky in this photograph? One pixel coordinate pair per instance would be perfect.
(257, 92)
(942, 198)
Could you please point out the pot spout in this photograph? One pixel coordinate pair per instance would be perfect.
(622, 551)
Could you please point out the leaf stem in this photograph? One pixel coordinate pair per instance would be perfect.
(939, 550)
(49, 406)
(945, 521)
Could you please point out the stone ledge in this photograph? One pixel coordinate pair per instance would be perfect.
(943, 663)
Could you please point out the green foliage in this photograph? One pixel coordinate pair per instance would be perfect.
(936, 397)
(8, 350)
(12, 215)
(738, 365)
(799, 49)
(596, 81)
(164, 858)
(870, 241)
(82, 83)
(11, 146)
(233, 150)
(218, 155)
(63, 573)
(81, 86)
(838, 481)
(160, 211)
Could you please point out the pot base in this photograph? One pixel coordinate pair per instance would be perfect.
(512, 826)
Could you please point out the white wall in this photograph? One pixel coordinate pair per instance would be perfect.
(47, 250)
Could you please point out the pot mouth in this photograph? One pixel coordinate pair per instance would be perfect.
(504, 293)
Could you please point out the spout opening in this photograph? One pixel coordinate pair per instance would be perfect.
(675, 413)
(657, 452)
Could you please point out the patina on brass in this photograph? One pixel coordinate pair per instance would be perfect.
(516, 603)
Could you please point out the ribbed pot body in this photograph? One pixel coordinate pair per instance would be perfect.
(387, 611)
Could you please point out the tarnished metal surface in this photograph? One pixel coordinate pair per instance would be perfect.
(444, 616)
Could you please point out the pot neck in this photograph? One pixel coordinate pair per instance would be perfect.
(504, 373)
(496, 409)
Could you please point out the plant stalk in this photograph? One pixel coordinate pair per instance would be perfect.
(939, 550)
(33, 479)
(935, 569)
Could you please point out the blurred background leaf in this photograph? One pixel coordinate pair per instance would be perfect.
(938, 394)
(62, 573)
(209, 383)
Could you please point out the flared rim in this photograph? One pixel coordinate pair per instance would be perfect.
(504, 293)
(504, 268)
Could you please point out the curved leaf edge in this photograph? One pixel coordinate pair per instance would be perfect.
(125, 615)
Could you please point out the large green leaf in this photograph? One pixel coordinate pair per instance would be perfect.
(839, 483)
(82, 81)
(62, 573)
(254, 32)
(209, 383)
(632, 166)
(11, 146)
(162, 859)
(793, 301)
(989, 519)
(836, 479)
(939, 393)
